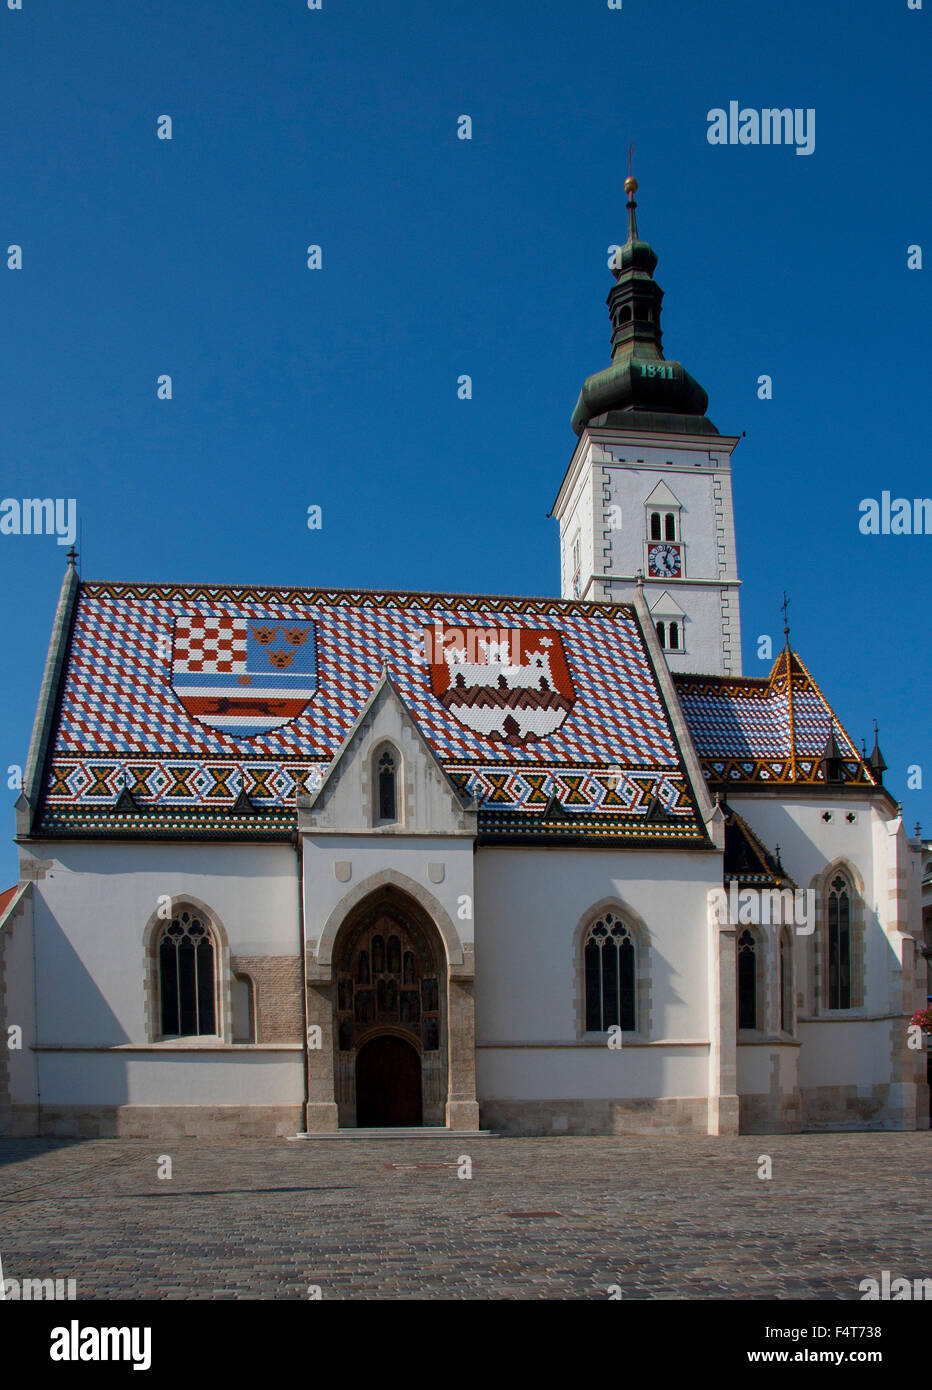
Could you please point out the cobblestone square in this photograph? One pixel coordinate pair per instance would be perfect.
(658, 1217)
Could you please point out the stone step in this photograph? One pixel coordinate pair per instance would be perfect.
(402, 1132)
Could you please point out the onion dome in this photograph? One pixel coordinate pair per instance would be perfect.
(641, 390)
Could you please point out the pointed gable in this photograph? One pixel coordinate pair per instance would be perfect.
(346, 798)
(665, 606)
(662, 497)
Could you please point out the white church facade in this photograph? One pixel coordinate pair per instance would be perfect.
(295, 860)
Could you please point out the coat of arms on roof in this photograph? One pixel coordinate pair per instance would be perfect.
(243, 675)
(509, 685)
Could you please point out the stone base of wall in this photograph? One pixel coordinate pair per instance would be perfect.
(18, 1121)
(154, 1121)
(881, 1106)
(667, 1115)
(770, 1114)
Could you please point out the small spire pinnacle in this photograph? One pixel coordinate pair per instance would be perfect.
(876, 761)
(72, 558)
(831, 761)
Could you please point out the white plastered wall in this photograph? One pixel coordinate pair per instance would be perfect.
(530, 904)
(92, 905)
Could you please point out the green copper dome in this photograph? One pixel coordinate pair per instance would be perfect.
(641, 390)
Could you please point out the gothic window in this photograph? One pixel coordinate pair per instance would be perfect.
(609, 959)
(747, 981)
(786, 984)
(187, 978)
(669, 526)
(387, 798)
(662, 634)
(839, 944)
(655, 533)
(674, 637)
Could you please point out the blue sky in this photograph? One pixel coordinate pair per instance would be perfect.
(338, 387)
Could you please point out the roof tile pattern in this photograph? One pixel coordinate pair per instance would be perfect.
(771, 729)
(122, 728)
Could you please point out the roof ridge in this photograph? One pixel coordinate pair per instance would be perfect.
(98, 588)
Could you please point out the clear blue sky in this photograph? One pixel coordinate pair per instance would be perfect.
(441, 257)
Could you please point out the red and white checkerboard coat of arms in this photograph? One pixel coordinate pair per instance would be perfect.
(511, 685)
(243, 675)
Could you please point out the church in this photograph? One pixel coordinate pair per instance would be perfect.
(307, 862)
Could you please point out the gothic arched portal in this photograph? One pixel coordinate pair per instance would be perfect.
(390, 1016)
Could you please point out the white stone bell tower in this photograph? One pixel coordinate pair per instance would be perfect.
(648, 489)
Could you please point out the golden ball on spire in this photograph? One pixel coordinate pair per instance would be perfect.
(631, 184)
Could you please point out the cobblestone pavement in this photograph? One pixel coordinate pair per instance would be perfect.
(539, 1219)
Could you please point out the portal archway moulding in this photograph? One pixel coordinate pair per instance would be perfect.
(460, 959)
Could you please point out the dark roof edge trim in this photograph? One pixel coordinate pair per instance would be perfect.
(46, 709)
(670, 700)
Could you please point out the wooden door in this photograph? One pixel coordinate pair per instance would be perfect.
(388, 1083)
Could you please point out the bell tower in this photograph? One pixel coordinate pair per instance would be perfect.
(648, 490)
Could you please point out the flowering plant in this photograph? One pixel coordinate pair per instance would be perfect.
(923, 1017)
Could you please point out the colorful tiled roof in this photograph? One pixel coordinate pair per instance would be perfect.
(753, 730)
(191, 709)
(748, 862)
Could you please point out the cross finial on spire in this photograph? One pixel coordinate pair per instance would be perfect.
(631, 187)
(72, 558)
(786, 622)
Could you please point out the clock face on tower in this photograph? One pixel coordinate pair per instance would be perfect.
(663, 561)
